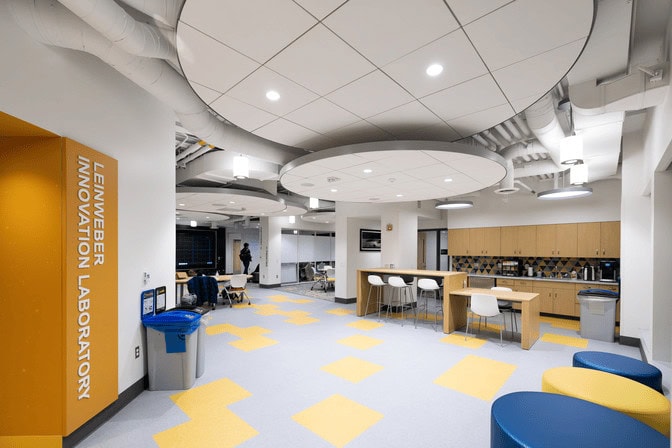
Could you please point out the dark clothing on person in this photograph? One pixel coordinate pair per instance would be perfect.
(245, 257)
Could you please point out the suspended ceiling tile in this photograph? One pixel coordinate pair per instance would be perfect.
(384, 31)
(322, 116)
(436, 170)
(225, 67)
(472, 96)
(370, 95)
(440, 131)
(241, 114)
(252, 90)
(207, 94)
(359, 132)
(285, 132)
(375, 168)
(239, 24)
(318, 142)
(320, 61)
(484, 119)
(320, 8)
(405, 118)
(454, 52)
(525, 28)
(539, 71)
(468, 10)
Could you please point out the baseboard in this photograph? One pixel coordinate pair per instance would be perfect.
(103, 416)
(345, 301)
(277, 285)
(633, 342)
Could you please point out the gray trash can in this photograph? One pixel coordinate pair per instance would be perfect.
(598, 314)
(172, 348)
(200, 352)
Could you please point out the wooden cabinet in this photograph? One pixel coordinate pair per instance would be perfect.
(557, 240)
(557, 298)
(484, 241)
(518, 241)
(599, 239)
(458, 242)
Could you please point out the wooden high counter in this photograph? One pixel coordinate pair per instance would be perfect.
(455, 296)
(451, 281)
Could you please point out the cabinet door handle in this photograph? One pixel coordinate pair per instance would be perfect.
(597, 251)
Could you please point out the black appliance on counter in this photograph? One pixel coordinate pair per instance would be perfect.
(512, 268)
(610, 270)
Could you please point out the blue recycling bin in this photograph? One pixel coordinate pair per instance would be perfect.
(172, 347)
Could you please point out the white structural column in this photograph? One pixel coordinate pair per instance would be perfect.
(662, 250)
(271, 251)
(399, 238)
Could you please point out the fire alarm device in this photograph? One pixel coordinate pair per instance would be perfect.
(389, 227)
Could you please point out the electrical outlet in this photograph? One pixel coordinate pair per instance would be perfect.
(137, 352)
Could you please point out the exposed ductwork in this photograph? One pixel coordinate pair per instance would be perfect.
(165, 11)
(49, 22)
(123, 30)
(544, 124)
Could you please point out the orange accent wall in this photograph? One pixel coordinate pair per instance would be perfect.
(59, 312)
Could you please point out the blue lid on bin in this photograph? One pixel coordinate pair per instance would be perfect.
(599, 292)
(176, 325)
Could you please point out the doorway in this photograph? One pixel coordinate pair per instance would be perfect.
(235, 257)
(422, 251)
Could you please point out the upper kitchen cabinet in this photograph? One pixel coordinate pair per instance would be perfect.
(599, 239)
(518, 241)
(484, 241)
(557, 240)
(458, 242)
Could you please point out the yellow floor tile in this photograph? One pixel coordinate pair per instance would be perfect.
(478, 377)
(341, 312)
(565, 340)
(365, 325)
(211, 422)
(281, 299)
(338, 420)
(459, 340)
(352, 369)
(360, 342)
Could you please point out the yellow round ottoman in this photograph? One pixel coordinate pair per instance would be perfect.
(613, 391)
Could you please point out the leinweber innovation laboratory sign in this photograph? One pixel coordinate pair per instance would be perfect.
(90, 283)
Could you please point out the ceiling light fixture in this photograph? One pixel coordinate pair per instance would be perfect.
(565, 193)
(193, 223)
(367, 170)
(272, 95)
(571, 150)
(292, 219)
(314, 203)
(241, 167)
(448, 179)
(452, 205)
(578, 174)
(434, 70)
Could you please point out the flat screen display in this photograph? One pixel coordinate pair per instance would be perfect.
(196, 249)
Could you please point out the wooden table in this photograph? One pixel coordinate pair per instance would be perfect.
(451, 281)
(455, 311)
(181, 282)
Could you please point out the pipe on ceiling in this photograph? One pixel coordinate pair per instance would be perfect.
(545, 125)
(49, 22)
(165, 11)
(110, 19)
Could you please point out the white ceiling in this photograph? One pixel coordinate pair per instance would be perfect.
(350, 72)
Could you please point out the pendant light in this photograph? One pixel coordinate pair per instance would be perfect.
(453, 205)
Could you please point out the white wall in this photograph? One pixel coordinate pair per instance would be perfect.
(76, 96)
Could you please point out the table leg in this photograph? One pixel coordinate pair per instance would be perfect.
(529, 317)
(454, 312)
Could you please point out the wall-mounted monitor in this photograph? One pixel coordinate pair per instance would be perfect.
(369, 240)
(196, 249)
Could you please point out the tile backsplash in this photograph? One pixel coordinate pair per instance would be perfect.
(550, 267)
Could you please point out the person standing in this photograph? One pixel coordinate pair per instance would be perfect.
(245, 257)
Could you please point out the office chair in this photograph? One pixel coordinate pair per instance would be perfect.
(205, 288)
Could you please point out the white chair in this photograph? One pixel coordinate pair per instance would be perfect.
(318, 278)
(426, 286)
(375, 282)
(507, 306)
(485, 305)
(403, 290)
(330, 276)
(237, 287)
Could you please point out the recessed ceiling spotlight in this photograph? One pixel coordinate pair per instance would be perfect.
(272, 95)
(400, 195)
(434, 70)
(367, 170)
(232, 202)
(181, 205)
(448, 179)
(333, 190)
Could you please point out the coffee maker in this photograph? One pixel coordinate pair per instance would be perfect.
(610, 270)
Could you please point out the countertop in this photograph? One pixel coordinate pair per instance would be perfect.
(545, 279)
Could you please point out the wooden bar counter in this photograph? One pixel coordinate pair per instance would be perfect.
(455, 296)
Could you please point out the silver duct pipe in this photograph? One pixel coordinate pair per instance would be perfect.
(523, 150)
(190, 150)
(49, 22)
(544, 124)
(522, 125)
(503, 133)
(165, 11)
(536, 169)
(513, 130)
(120, 28)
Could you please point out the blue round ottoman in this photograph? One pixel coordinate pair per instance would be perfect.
(621, 365)
(545, 420)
